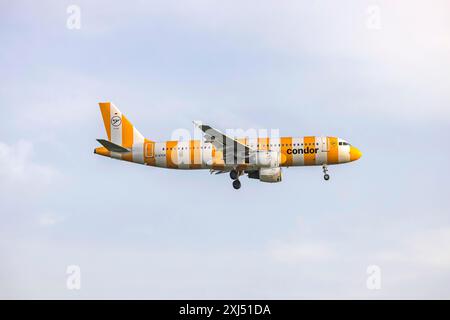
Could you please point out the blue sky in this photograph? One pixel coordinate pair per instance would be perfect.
(303, 68)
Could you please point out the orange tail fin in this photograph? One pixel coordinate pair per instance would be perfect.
(119, 129)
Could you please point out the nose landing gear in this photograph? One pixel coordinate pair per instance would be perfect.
(326, 176)
(236, 184)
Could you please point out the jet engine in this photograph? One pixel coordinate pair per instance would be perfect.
(266, 159)
(266, 174)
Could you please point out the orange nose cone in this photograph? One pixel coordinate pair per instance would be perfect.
(355, 154)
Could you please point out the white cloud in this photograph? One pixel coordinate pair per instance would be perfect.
(429, 249)
(19, 171)
(48, 219)
(286, 252)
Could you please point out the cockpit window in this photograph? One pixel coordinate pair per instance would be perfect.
(343, 143)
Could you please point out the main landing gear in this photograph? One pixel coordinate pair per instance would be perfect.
(326, 176)
(234, 175)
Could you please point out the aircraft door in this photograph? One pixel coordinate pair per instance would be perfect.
(149, 150)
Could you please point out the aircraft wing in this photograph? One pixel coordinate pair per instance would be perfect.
(231, 148)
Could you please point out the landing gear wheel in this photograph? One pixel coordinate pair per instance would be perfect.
(236, 184)
(234, 175)
(326, 176)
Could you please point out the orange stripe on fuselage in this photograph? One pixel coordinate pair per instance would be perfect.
(127, 156)
(196, 159)
(286, 159)
(333, 150)
(263, 143)
(309, 156)
(217, 159)
(242, 165)
(171, 154)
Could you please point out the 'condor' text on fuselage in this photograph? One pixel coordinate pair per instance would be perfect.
(302, 151)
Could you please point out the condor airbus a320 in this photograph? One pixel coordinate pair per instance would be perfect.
(258, 158)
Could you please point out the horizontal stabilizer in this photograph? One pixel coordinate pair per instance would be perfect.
(112, 146)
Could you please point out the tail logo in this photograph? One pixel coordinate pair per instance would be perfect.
(116, 121)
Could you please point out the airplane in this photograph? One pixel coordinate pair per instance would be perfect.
(258, 158)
